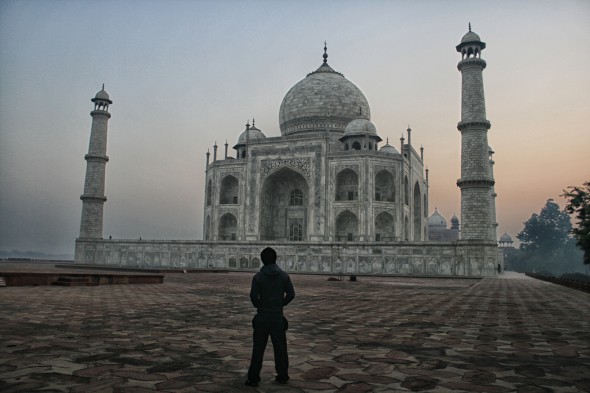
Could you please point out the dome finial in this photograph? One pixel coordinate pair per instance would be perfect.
(469, 26)
(325, 53)
(253, 122)
(103, 87)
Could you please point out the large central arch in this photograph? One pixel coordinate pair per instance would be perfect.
(284, 206)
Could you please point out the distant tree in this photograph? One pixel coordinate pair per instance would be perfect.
(578, 204)
(547, 244)
(547, 231)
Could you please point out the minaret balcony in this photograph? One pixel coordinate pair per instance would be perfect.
(94, 157)
(99, 112)
(478, 124)
(471, 62)
(475, 183)
(93, 198)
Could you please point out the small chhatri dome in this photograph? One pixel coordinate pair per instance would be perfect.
(360, 127)
(255, 135)
(470, 38)
(324, 99)
(506, 238)
(388, 149)
(436, 220)
(102, 95)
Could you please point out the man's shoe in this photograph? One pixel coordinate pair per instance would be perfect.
(251, 384)
(281, 380)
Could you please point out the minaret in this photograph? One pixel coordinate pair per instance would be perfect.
(93, 198)
(476, 181)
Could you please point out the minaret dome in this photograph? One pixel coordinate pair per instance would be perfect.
(101, 100)
(471, 45)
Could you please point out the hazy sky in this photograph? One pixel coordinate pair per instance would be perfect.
(184, 74)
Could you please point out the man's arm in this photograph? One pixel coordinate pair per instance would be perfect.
(255, 292)
(289, 291)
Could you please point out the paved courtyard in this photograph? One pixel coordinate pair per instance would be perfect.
(193, 334)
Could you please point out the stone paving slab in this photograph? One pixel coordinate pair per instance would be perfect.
(193, 334)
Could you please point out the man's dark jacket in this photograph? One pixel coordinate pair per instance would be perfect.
(271, 290)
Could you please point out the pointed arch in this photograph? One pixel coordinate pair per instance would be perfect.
(406, 191)
(209, 191)
(228, 227)
(347, 185)
(406, 229)
(384, 227)
(207, 234)
(255, 263)
(244, 263)
(417, 210)
(228, 192)
(347, 224)
(384, 186)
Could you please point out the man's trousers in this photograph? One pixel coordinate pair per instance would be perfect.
(275, 326)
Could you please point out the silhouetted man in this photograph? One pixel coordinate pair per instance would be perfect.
(271, 291)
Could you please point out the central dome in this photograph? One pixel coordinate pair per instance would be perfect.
(324, 99)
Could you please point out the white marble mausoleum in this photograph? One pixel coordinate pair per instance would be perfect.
(327, 193)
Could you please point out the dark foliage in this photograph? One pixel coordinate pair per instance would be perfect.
(547, 231)
(578, 204)
(547, 245)
(576, 277)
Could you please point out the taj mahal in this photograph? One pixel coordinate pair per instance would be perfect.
(327, 193)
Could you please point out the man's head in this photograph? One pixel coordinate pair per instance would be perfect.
(268, 256)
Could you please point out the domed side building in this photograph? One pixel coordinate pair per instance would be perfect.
(324, 179)
(438, 231)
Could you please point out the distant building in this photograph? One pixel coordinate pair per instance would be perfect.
(507, 249)
(506, 241)
(438, 231)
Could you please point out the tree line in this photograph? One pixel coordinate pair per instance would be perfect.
(549, 243)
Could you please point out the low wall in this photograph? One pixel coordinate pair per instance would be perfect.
(575, 284)
(15, 279)
(407, 258)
